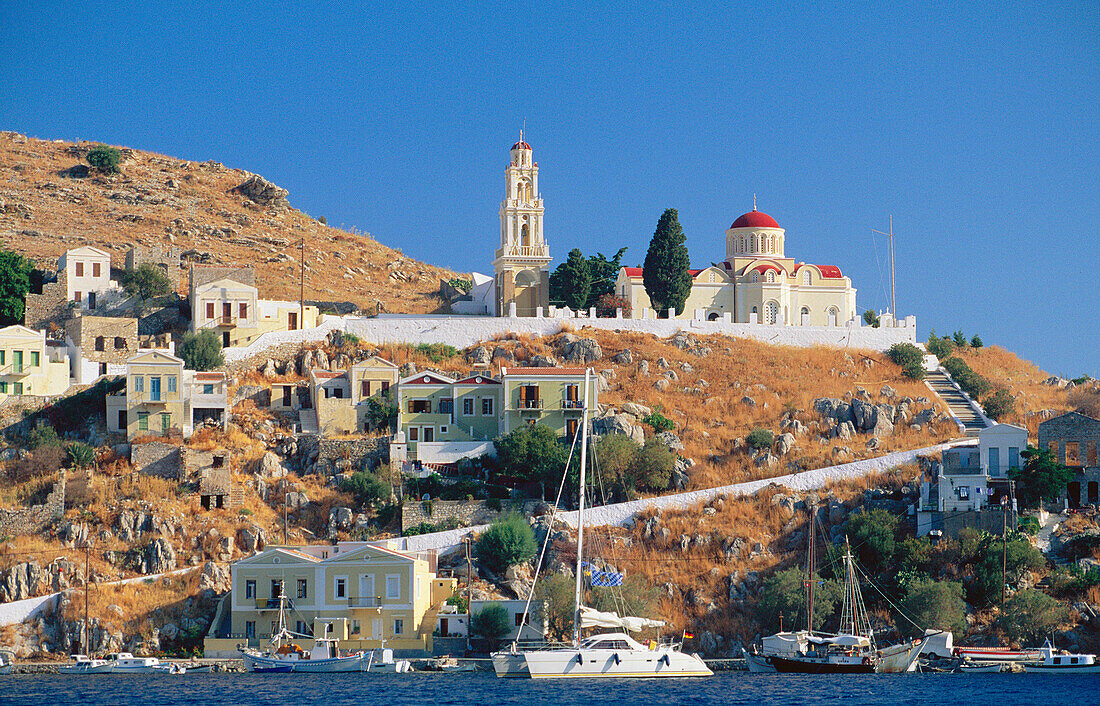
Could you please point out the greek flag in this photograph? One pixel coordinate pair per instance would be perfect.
(601, 579)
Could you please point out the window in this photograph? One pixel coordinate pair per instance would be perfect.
(429, 434)
(385, 386)
(1013, 459)
(120, 343)
(754, 277)
(143, 421)
(963, 492)
(303, 588)
(366, 388)
(17, 361)
(355, 627)
(523, 619)
(154, 387)
(95, 269)
(393, 587)
(442, 428)
(250, 628)
(414, 434)
(276, 588)
(771, 313)
(468, 407)
(209, 310)
(77, 297)
(208, 388)
(338, 393)
(486, 406)
(571, 426)
(807, 277)
(139, 383)
(171, 383)
(341, 588)
(3, 356)
(36, 359)
(398, 623)
(242, 310)
(100, 343)
(80, 269)
(250, 589)
(420, 406)
(529, 397)
(301, 627)
(770, 276)
(1073, 456)
(17, 388)
(3, 387)
(446, 405)
(165, 422)
(572, 392)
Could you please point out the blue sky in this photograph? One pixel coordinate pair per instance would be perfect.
(975, 126)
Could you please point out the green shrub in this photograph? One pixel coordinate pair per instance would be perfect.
(874, 537)
(507, 542)
(491, 622)
(960, 339)
(437, 352)
(971, 382)
(910, 358)
(942, 348)
(201, 351)
(244, 511)
(871, 318)
(976, 342)
(1029, 525)
(146, 282)
(350, 339)
(1029, 616)
(1000, 404)
(80, 455)
(659, 422)
(935, 604)
(43, 435)
(760, 438)
(533, 453)
(367, 488)
(653, 465)
(105, 159)
(494, 504)
(460, 601)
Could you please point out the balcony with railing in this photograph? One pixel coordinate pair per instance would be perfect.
(17, 369)
(572, 405)
(365, 602)
(532, 251)
(532, 405)
(272, 603)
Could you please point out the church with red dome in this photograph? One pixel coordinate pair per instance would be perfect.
(756, 283)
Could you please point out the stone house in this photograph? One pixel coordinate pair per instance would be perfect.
(366, 594)
(1073, 439)
(100, 345)
(161, 398)
(31, 365)
(168, 259)
(87, 277)
(225, 300)
(211, 469)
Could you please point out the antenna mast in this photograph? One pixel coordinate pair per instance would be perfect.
(893, 282)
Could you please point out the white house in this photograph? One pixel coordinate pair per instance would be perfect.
(87, 272)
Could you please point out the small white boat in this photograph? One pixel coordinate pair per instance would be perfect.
(1062, 663)
(324, 657)
(7, 662)
(980, 667)
(1000, 655)
(83, 664)
(126, 663)
(381, 660)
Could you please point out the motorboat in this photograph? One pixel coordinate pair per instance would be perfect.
(1053, 662)
(381, 660)
(83, 664)
(126, 663)
(980, 667)
(273, 669)
(606, 655)
(999, 655)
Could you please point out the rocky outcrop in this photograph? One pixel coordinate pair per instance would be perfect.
(618, 424)
(263, 192)
(159, 557)
(584, 350)
(479, 356)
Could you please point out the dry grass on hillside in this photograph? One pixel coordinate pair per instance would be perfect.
(1023, 378)
(144, 604)
(155, 194)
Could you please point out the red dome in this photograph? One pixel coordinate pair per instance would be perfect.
(521, 145)
(755, 219)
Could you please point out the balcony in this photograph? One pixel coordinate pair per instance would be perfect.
(530, 405)
(365, 602)
(532, 251)
(272, 604)
(150, 398)
(17, 369)
(574, 405)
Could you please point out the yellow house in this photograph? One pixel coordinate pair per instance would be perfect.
(235, 312)
(368, 593)
(341, 398)
(162, 398)
(28, 366)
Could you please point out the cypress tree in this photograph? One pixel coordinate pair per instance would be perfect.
(665, 274)
(571, 281)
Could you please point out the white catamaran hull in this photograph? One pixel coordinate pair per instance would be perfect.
(511, 664)
(572, 663)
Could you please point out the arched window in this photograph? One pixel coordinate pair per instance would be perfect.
(754, 277)
(768, 243)
(805, 310)
(752, 243)
(807, 277)
(834, 315)
(740, 244)
(770, 276)
(754, 310)
(713, 316)
(525, 235)
(771, 313)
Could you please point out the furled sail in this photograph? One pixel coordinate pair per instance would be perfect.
(592, 618)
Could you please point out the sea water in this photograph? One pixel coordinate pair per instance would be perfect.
(435, 689)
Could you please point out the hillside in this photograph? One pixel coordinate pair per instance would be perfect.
(49, 202)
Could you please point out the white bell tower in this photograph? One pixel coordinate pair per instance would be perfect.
(522, 263)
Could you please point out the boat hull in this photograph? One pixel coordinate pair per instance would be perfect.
(614, 664)
(787, 665)
(353, 663)
(511, 665)
(1062, 669)
(990, 654)
(759, 664)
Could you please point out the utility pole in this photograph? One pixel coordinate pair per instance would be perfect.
(302, 286)
(893, 285)
(1004, 546)
(469, 590)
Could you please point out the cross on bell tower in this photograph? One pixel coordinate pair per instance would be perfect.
(522, 263)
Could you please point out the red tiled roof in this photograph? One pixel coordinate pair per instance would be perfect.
(478, 380)
(545, 371)
(755, 219)
(327, 374)
(767, 266)
(827, 271)
(521, 145)
(209, 376)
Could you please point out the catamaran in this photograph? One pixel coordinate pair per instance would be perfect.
(606, 655)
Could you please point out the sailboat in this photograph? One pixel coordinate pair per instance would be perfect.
(287, 656)
(605, 655)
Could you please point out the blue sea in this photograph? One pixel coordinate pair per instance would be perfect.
(484, 688)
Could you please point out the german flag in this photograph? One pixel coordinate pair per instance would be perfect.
(689, 635)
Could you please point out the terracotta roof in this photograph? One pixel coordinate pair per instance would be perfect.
(545, 371)
(478, 380)
(521, 145)
(765, 267)
(327, 374)
(755, 219)
(827, 271)
(209, 376)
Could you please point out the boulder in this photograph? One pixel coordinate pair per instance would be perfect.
(214, 576)
(479, 356)
(296, 500)
(503, 356)
(543, 361)
(262, 191)
(584, 350)
(662, 385)
(270, 466)
(160, 557)
(643, 367)
(864, 414)
(748, 401)
(784, 444)
(623, 357)
(638, 410)
(662, 364)
(618, 424)
(268, 370)
(251, 539)
(670, 440)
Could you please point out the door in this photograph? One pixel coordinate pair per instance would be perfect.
(122, 419)
(225, 339)
(994, 461)
(444, 627)
(292, 321)
(1073, 493)
(366, 589)
(376, 629)
(227, 313)
(91, 300)
(286, 395)
(154, 388)
(429, 433)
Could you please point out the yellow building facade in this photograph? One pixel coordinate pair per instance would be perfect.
(29, 366)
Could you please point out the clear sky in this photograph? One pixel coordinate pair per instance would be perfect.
(974, 125)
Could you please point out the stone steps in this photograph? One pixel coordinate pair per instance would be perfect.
(956, 401)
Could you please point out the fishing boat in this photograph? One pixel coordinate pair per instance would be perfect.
(126, 663)
(606, 655)
(83, 664)
(997, 654)
(1052, 662)
(324, 657)
(273, 669)
(381, 660)
(980, 667)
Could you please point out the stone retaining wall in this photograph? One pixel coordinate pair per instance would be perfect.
(158, 458)
(344, 455)
(467, 512)
(31, 520)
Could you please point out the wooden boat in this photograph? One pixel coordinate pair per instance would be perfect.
(981, 668)
(324, 657)
(1051, 662)
(273, 669)
(996, 654)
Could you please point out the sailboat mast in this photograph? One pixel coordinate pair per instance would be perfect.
(893, 281)
(580, 515)
(810, 566)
